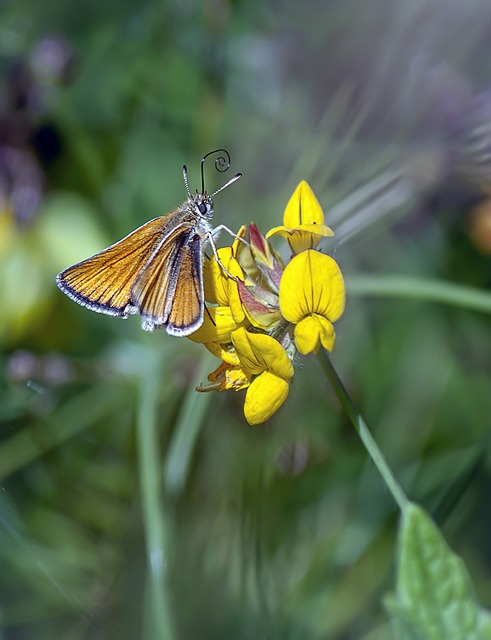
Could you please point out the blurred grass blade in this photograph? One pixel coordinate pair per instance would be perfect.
(395, 199)
(42, 564)
(155, 518)
(434, 597)
(420, 289)
(334, 115)
(484, 624)
(186, 431)
(476, 460)
(371, 190)
(82, 412)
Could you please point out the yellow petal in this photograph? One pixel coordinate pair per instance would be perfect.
(218, 324)
(225, 352)
(306, 236)
(235, 302)
(259, 352)
(307, 337)
(216, 280)
(312, 283)
(241, 233)
(264, 397)
(313, 331)
(225, 378)
(303, 208)
(327, 334)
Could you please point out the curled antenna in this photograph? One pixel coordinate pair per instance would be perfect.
(222, 163)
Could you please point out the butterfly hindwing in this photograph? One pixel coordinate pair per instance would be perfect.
(169, 290)
(186, 314)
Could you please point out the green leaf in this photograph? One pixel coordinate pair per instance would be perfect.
(434, 598)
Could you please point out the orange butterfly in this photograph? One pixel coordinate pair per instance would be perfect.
(157, 270)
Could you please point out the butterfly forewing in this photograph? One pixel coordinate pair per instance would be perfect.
(103, 283)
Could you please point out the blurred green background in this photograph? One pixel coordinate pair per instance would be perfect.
(132, 507)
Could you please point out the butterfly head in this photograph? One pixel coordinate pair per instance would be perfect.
(202, 203)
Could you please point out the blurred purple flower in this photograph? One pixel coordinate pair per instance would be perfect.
(21, 183)
(52, 59)
(50, 368)
(27, 143)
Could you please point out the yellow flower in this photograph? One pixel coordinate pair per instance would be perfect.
(225, 314)
(260, 313)
(226, 377)
(303, 221)
(256, 362)
(218, 324)
(312, 297)
(264, 361)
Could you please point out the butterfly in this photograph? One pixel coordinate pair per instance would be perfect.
(157, 270)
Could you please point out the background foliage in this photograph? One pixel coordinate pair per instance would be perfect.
(131, 507)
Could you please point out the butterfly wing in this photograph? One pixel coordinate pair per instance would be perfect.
(169, 290)
(103, 282)
(186, 314)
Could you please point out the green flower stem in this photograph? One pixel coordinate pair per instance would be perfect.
(362, 429)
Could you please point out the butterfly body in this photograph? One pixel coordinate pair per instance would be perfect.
(156, 271)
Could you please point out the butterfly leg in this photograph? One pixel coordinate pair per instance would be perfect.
(222, 227)
(210, 237)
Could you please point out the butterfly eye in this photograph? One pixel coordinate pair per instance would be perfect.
(202, 207)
